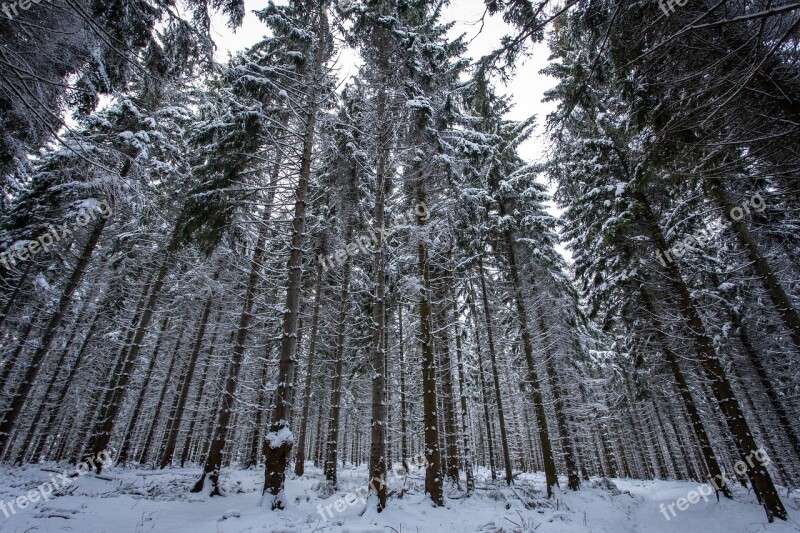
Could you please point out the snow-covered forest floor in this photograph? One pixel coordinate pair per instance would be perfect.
(138, 500)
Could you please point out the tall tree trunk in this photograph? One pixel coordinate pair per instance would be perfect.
(332, 448)
(377, 456)
(204, 445)
(433, 473)
(300, 458)
(77, 447)
(484, 394)
(256, 445)
(720, 385)
(319, 439)
(688, 402)
(113, 400)
(777, 293)
(20, 396)
(461, 380)
(51, 382)
(388, 398)
(11, 361)
(767, 384)
(213, 463)
(517, 419)
(665, 448)
(551, 478)
(763, 378)
(124, 449)
(14, 294)
(102, 395)
(183, 388)
(446, 374)
(162, 396)
(495, 373)
(199, 393)
(172, 418)
(638, 430)
(279, 441)
(573, 479)
(62, 393)
(611, 460)
(403, 407)
(105, 394)
(686, 452)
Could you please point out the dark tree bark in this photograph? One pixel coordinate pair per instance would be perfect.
(120, 360)
(446, 375)
(767, 384)
(377, 455)
(20, 396)
(51, 383)
(463, 397)
(573, 479)
(162, 396)
(279, 442)
(62, 393)
(433, 473)
(611, 460)
(300, 457)
(403, 406)
(551, 478)
(199, 394)
(183, 389)
(698, 428)
(388, 398)
(332, 448)
(720, 385)
(12, 298)
(777, 293)
(256, 444)
(113, 400)
(484, 394)
(22, 342)
(495, 374)
(320, 439)
(124, 449)
(761, 372)
(213, 462)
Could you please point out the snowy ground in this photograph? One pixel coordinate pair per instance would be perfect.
(146, 500)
